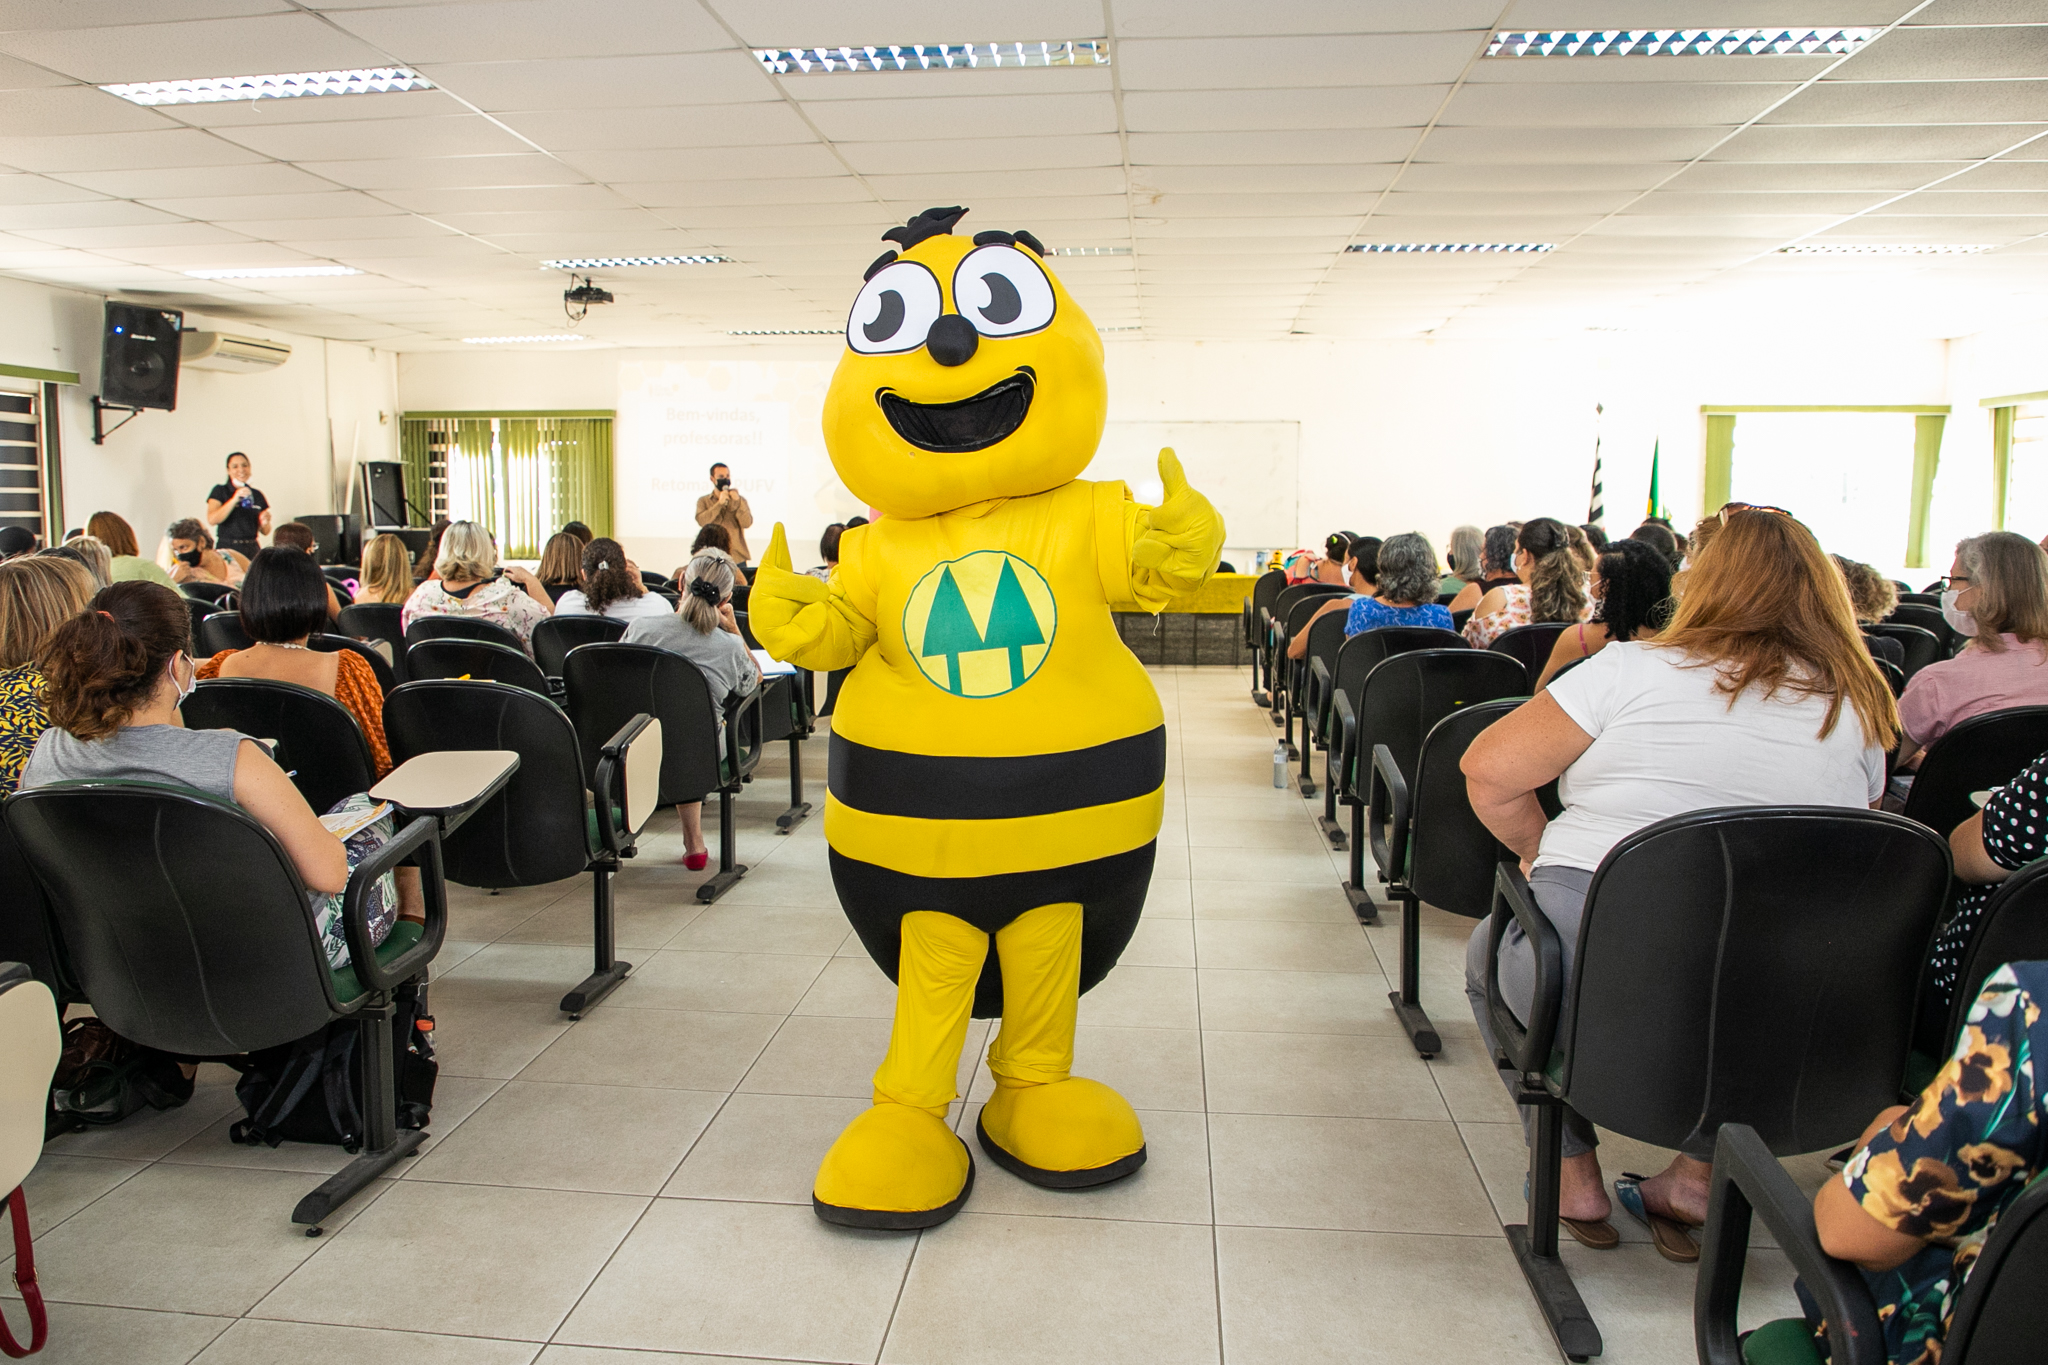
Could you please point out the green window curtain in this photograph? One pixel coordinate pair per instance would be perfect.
(521, 475)
(412, 446)
(1720, 463)
(581, 470)
(1927, 429)
(2001, 462)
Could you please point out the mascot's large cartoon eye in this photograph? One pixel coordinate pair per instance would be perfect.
(1002, 291)
(894, 310)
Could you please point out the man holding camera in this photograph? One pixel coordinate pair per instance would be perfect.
(723, 506)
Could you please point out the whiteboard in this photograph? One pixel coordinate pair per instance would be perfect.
(1248, 469)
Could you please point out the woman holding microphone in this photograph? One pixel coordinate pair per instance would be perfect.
(239, 509)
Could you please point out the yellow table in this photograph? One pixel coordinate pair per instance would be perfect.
(1222, 595)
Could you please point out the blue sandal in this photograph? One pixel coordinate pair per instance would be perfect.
(1673, 1239)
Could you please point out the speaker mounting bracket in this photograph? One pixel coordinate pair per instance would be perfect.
(100, 434)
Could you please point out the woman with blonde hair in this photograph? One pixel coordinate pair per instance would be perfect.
(125, 556)
(1758, 693)
(467, 582)
(1996, 593)
(38, 593)
(1550, 584)
(703, 631)
(387, 571)
(1465, 556)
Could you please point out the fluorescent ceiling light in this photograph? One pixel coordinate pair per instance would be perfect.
(818, 61)
(1089, 251)
(620, 262)
(213, 89)
(1455, 248)
(508, 341)
(273, 272)
(792, 332)
(1134, 328)
(1884, 249)
(1682, 42)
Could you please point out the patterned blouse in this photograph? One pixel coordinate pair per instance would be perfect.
(502, 603)
(22, 721)
(1947, 1167)
(355, 686)
(1369, 613)
(1514, 611)
(2014, 835)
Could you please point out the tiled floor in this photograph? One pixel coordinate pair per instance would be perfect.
(634, 1188)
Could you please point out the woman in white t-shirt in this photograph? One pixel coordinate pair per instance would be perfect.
(611, 586)
(1759, 692)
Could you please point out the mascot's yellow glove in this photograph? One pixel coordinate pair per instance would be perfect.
(802, 620)
(1178, 544)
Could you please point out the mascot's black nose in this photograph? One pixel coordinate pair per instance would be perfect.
(952, 340)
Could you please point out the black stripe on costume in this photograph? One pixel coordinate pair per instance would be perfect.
(931, 787)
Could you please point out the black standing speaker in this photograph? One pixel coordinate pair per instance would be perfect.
(139, 357)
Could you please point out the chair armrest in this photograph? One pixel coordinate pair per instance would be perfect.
(1346, 748)
(1318, 707)
(1747, 1177)
(610, 781)
(1389, 851)
(417, 841)
(1528, 1045)
(743, 762)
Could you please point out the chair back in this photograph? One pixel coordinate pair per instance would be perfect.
(461, 628)
(1711, 938)
(2012, 927)
(1284, 600)
(744, 621)
(610, 684)
(215, 593)
(1405, 696)
(534, 831)
(1920, 599)
(1980, 753)
(376, 621)
(183, 917)
(1297, 618)
(1530, 646)
(1325, 639)
(649, 578)
(27, 935)
(1458, 620)
(1922, 646)
(1929, 619)
(31, 1040)
(1894, 676)
(1362, 653)
(198, 611)
(740, 593)
(456, 657)
(327, 643)
(2001, 1315)
(556, 636)
(1451, 855)
(1267, 588)
(557, 591)
(221, 630)
(318, 741)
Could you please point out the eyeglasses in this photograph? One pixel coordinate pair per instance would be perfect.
(1952, 580)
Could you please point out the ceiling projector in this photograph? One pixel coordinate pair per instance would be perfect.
(577, 299)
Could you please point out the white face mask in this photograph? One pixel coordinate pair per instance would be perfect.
(185, 689)
(1959, 621)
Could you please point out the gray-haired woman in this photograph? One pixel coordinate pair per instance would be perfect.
(702, 630)
(1404, 594)
(1467, 550)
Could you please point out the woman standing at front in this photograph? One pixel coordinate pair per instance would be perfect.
(239, 509)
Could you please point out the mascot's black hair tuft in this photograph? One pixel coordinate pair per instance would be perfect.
(930, 223)
(884, 259)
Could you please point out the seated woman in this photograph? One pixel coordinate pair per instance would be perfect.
(1549, 585)
(561, 564)
(87, 552)
(284, 603)
(38, 593)
(611, 587)
(423, 567)
(125, 559)
(1660, 538)
(713, 537)
(703, 631)
(1990, 846)
(387, 571)
(1496, 562)
(196, 559)
(116, 673)
(1334, 566)
(1404, 589)
(1872, 597)
(1631, 601)
(1758, 693)
(1466, 557)
(1361, 565)
(1929, 1180)
(1997, 594)
(467, 583)
(828, 550)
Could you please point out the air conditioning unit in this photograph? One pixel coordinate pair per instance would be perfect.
(236, 355)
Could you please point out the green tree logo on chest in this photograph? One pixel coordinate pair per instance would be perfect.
(980, 625)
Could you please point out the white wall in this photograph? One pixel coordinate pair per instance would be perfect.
(331, 400)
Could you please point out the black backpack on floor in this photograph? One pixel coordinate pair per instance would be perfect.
(310, 1090)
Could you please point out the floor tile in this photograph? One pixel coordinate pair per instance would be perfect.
(1367, 1175)
(480, 1033)
(748, 928)
(1160, 943)
(600, 1355)
(668, 1049)
(745, 1279)
(1171, 1187)
(469, 1260)
(1143, 997)
(1167, 898)
(1291, 901)
(85, 1334)
(1349, 1075)
(741, 983)
(540, 1135)
(764, 1148)
(813, 1055)
(1297, 1002)
(851, 988)
(61, 1185)
(255, 1342)
(1281, 946)
(147, 1135)
(639, 923)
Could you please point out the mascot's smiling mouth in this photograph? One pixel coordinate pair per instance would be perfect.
(967, 424)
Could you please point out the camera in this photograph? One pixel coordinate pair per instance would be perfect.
(724, 484)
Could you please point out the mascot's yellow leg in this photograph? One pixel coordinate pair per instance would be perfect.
(1043, 1124)
(898, 1165)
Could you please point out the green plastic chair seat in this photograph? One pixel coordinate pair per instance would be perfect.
(590, 826)
(1785, 1341)
(404, 934)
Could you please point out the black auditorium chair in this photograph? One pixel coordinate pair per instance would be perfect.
(1357, 657)
(1252, 617)
(1929, 619)
(1922, 646)
(27, 934)
(376, 621)
(1293, 673)
(1529, 646)
(461, 628)
(1707, 940)
(2012, 926)
(786, 715)
(606, 682)
(1980, 753)
(1921, 599)
(316, 740)
(542, 827)
(198, 610)
(557, 591)
(222, 630)
(1999, 1317)
(649, 578)
(328, 642)
(1894, 676)
(1459, 618)
(190, 931)
(1312, 675)
(455, 657)
(1273, 639)
(1434, 851)
(740, 593)
(556, 636)
(219, 594)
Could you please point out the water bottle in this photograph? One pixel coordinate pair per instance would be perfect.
(1280, 764)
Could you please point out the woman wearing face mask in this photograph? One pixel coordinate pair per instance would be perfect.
(1996, 593)
(195, 560)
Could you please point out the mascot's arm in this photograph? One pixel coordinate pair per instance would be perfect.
(1172, 549)
(803, 621)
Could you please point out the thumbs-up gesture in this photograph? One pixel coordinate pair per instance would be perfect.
(1185, 534)
(779, 596)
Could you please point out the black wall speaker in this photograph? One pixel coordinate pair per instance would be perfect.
(139, 357)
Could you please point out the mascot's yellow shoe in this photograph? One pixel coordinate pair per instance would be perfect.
(1067, 1135)
(894, 1168)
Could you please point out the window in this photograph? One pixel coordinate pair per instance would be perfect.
(2026, 463)
(521, 475)
(21, 462)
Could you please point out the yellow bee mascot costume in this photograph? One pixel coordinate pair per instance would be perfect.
(998, 756)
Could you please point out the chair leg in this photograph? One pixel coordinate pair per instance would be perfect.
(1259, 697)
(1327, 821)
(383, 1145)
(1362, 903)
(798, 807)
(1535, 1243)
(1407, 1001)
(730, 870)
(1307, 781)
(607, 971)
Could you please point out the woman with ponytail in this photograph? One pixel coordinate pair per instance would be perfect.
(1550, 586)
(610, 586)
(704, 631)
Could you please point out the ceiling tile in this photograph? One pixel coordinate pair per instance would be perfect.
(136, 235)
(1478, 204)
(1945, 202)
(1189, 111)
(389, 104)
(1963, 54)
(36, 14)
(1497, 176)
(795, 161)
(205, 47)
(459, 135)
(70, 109)
(36, 189)
(933, 186)
(1261, 179)
(322, 205)
(1679, 203)
(2000, 175)
(759, 124)
(1232, 18)
(100, 213)
(1569, 146)
(390, 227)
(1293, 148)
(598, 221)
(446, 172)
(263, 178)
(1643, 70)
(1003, 155)
(511, 30)
(828, 23)
(1842, 175)
(605, 82)
(957, 116)
(120, 151)
(769, 193)
(1929, 229)
(512, 199)
(1285, 63)
(1964, 142)
(1673, 105)
(1916, 102)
